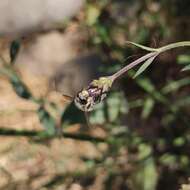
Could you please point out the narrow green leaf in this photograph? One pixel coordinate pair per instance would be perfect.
(148, 107)
(145, 170)
(46, 120)
(20, 88)
(144, 66)
(186, 68)
(173, 86)
(183, 59)
(142, 46)
(14, 50)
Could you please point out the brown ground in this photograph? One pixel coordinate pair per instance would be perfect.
(25, 164)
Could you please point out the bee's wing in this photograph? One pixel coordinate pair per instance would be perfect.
(52, 85)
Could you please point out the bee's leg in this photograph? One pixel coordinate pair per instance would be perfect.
(87, 119)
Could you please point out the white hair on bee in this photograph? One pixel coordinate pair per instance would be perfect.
(96, 92)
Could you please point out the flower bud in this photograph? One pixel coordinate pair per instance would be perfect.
(87, 98)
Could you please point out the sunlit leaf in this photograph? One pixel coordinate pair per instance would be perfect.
(179, 141)
(117, 105)
(168, 159)
(186, 68)
(144, 66)
(145, 177)
(110, 110)
(148, 107)
(98, 115)
(147, 85)
(183, 59)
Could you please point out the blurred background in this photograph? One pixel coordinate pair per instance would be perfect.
(138, 138)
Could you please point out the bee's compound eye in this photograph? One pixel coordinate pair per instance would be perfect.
(83, 101)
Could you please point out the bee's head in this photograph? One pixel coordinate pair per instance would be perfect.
(84, 101)
(87, 98)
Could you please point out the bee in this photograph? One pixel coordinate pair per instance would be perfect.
(89, 97)
(96, 92)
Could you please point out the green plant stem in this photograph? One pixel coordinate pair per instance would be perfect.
(172, 46)
(155, 53)
(133, 64)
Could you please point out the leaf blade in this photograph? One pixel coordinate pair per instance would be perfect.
(46, 120)
(186, 68)
(144, 66)
(143, 47)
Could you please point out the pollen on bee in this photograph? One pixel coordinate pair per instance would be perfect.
(84, 93)
(93, 94)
